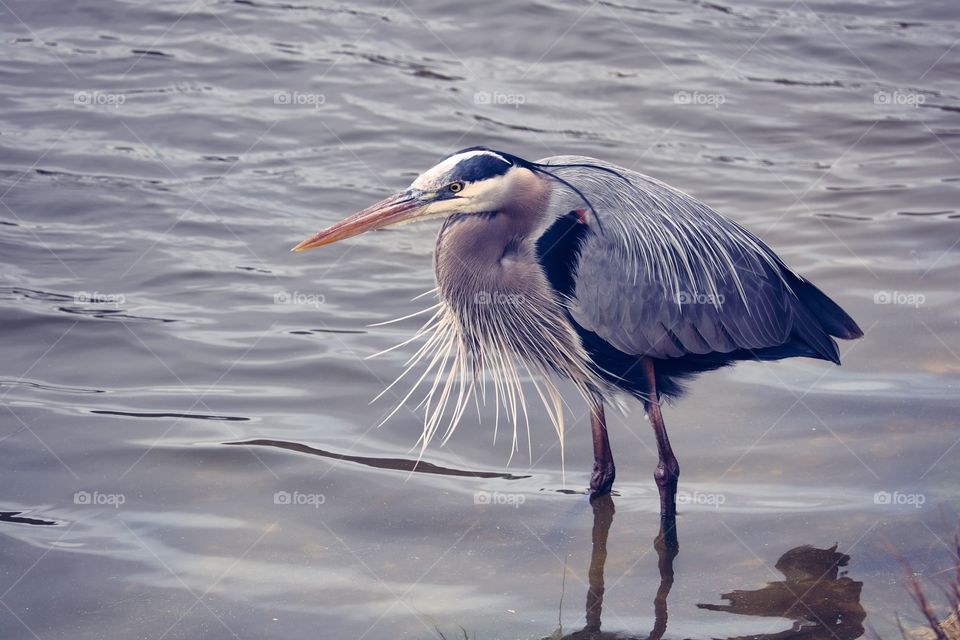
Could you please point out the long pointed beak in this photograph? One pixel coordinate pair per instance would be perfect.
(395, 209)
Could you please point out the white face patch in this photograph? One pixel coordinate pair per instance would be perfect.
(430, 179)
(482, 196)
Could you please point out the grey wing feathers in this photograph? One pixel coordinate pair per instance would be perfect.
(667, 276)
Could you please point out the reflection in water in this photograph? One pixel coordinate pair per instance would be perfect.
(17, 518)
(602, 519)
(822, 603)
(401, 464)
(667, 548)
(168, 414)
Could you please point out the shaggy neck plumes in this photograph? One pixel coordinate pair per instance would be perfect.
(498, 314)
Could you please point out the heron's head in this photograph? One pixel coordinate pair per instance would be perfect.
(474, 180)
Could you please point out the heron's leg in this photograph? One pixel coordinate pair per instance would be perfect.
(668, 471)
(603, 470)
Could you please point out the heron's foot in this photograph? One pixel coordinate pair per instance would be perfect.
(666, 475)
(601, 481)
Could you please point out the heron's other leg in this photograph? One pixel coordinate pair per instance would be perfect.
(603, 470)
(668, 470)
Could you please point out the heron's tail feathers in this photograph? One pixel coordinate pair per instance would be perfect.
(832, 318)
(819, 319)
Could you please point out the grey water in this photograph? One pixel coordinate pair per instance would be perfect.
(187, 443)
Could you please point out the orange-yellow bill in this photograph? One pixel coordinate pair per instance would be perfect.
(395, 209)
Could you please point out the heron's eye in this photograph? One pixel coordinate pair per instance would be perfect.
(455, 187)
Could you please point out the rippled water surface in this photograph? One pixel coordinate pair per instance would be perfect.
(187, 444)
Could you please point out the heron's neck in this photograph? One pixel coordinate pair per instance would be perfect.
(480, 255)
(483, 256)
(490, 279)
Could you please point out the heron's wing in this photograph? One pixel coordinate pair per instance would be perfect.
(664, 275)
(637, 315)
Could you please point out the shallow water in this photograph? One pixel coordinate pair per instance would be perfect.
(187, 448)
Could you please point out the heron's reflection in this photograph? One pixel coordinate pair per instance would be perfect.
(667, 547)
(822, 602)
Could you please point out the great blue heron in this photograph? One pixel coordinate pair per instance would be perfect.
(579, 268)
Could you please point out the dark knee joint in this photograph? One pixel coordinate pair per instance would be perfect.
(601, 481)
(667, 473)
